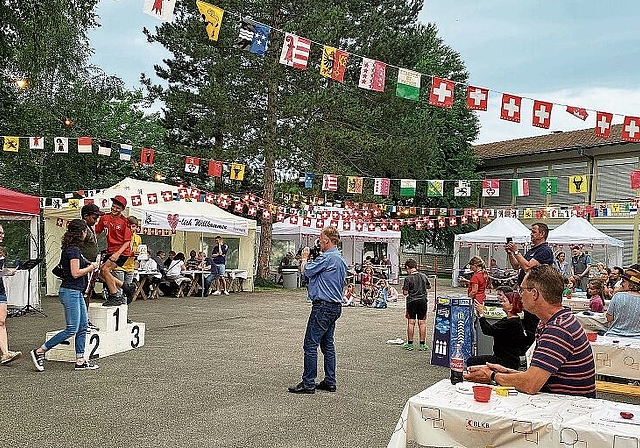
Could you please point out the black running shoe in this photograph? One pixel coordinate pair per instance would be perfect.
(38, 360)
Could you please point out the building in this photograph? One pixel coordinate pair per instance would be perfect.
(610, 203)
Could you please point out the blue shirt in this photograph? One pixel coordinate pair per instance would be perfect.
(326, 276)
(219, 258)
(68, 281)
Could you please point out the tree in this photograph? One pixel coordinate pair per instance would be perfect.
(228, 104)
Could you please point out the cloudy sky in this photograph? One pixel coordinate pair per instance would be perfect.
(580, 53)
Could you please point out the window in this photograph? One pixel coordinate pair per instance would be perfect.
(232, 253)
(563, 171)
(613, 179)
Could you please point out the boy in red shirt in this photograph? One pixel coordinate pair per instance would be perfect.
(118, 247)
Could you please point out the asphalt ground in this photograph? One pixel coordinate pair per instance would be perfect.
(214, 372)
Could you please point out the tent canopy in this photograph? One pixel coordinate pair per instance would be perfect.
(601, 246)
(497, 231)
(488, 242)
(14, 203)
(580, 231)
(191, 221)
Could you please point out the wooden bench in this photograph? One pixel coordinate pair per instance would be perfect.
(618, 388)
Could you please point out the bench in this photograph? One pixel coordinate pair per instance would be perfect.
(618, 388)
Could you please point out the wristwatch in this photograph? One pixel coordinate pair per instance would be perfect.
(492, 380)
(516, 252)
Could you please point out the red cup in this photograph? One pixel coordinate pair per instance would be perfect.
(592, 336)
(482, 393)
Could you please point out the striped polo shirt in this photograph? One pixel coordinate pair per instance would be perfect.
(562, 349)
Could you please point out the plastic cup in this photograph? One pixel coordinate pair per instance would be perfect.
(592, 336)
(482, 393)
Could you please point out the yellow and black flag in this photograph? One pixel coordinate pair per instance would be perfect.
(577, 184)
(212, 17)
(237, 171)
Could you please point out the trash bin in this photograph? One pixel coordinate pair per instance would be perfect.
(290, 278)
(493, 312)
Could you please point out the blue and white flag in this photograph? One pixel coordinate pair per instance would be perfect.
(308, 180)
(125, 152)
(253, 36)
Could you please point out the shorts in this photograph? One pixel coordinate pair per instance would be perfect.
(3, 298)
(417, 309)
(221, 270)
(122, 259)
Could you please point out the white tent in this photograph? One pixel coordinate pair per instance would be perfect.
(488, 242)
(352, 241)
(600, 246)
(188, 222)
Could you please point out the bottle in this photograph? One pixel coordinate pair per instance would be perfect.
(457, 365)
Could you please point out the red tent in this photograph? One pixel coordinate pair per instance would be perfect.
(14, 203)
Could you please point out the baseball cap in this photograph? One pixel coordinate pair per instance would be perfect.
(120, 200)
(90, 209)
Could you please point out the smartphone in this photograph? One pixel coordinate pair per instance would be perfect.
(509, 239)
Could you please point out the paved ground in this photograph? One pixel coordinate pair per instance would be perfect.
(214, 373)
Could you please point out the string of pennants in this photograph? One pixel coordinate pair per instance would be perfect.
(85, 145)
(255, 37)
(348, 215)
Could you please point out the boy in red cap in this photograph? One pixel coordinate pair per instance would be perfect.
(118, 247)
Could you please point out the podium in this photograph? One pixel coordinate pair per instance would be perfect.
(115, 335)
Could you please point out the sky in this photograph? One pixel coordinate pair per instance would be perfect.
(578, 53)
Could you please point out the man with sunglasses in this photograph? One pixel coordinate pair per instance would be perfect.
(562, 362)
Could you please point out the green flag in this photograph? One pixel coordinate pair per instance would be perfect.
(435, 188)
(407, 187)
(548, 185)
(408, 84)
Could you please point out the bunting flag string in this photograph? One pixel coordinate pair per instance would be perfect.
(295, 53)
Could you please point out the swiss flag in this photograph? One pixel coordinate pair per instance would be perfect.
(167, 196)
(346, 225)
(441, 222)
(395, 226)
(359, 226)
(477, 98)
(453, 221)
(603, 124)
(293, 219)
(238, 207)
(430, 224)
(152, 198)
(266, 215)
(542, 114)
(306, 221)
(635, 179)
(419, 224)
(441, 93)
(510, 109)
(136, 200)
(579, 112)
(183, 193)
(371, 227)
(280, 217)
(464, 220)
(319, 223)
(631, 129)
(253, 210)
(209, 198)
(215, 168)
(195, 194)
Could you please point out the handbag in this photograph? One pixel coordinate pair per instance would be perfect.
(57, 270)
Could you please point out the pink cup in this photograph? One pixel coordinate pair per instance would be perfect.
(482, 393)
(592, 336)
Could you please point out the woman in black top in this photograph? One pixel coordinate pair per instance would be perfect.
(509, 339)
(74, 281)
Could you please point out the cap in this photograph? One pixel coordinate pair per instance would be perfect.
(120, 200)
(632, 274)
(575, 246)
(90, 209)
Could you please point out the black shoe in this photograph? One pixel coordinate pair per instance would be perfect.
(128, 289)
(324, 386)
(113, 301)
(300, 389)
(87, 365)
(38, 360)
(129, 321)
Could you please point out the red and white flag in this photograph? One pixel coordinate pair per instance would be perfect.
(192, 165)
(491, 188)
(329, 182)
(36, 142)
(147, 155)
(381, 186)
(295, 51)
(372, 75)
(167, 196)
(441, 92)
(603, 124)
(510, 109)
(542, 114)
(579, 112)
(152, 198)
(477, 98)
(631, 129)
(84, 145)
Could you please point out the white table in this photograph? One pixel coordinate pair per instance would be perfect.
(620, 359)
(440, 416)
(592, 322)
(579, 302)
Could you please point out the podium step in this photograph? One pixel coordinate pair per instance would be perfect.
(100, 344)
(108, 318)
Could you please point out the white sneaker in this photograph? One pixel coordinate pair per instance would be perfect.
(226, 293)
(216, 293)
